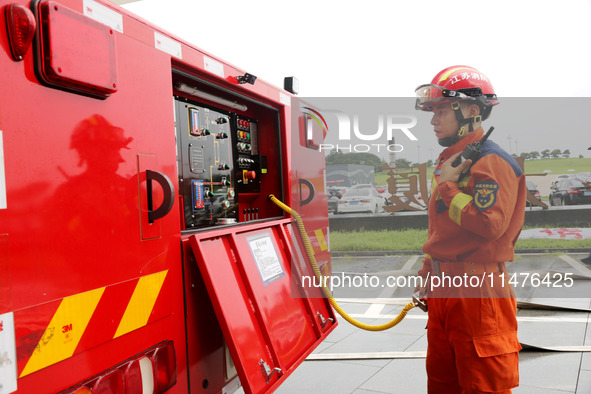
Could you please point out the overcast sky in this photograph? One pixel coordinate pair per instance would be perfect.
(388, 48)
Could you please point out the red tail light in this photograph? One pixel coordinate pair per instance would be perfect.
(164, 361)
(21, 29)
(150, 372)
(133, 378)
(109, 383)
(365, 201)
(574, 191)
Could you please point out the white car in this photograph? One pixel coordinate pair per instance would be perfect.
(361, 200)
(362, 186)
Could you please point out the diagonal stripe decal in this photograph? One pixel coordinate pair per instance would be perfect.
(141, 303)
(447, 74)
(81, 321)
(63, 333)
(321, 240)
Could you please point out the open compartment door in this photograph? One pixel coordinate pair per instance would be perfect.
(270, 323)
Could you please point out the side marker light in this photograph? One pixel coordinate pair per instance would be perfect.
(21, 26)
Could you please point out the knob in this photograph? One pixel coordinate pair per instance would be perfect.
(250, 175)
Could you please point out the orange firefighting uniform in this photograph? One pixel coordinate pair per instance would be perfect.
(473, 227)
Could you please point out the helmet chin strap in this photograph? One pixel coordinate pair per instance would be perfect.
(466, 125)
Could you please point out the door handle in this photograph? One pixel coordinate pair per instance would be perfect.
(167, 202)
(310, 187)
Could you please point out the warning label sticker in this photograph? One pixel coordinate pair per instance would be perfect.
(265, 256)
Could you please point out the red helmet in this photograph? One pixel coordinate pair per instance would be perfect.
(456, 83)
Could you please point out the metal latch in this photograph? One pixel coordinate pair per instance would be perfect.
(267, 372)
(323, 321)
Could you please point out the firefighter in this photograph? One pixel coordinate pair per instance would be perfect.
(97, 194)
(474, 222)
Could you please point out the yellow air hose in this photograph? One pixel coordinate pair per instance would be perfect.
(325, 290)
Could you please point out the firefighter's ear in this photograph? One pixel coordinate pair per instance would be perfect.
(473, 110)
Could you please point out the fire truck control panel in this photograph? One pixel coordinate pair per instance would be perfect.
(228, 155)
(219, 164)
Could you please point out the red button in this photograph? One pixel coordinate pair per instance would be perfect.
(250, 175)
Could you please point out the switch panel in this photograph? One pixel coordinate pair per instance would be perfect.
(218, 161)
(246, 151)
(205, 163)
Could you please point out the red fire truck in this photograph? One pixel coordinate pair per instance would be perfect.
(139, 251)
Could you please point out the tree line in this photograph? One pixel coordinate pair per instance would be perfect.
(545, 154)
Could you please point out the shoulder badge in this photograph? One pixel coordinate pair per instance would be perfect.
(485, 194)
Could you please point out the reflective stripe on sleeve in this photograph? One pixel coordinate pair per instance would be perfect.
(457, 205)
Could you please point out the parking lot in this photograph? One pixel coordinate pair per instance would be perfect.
(555, 333)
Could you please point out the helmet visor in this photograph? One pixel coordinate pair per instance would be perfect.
(427, 95)
(430, 94)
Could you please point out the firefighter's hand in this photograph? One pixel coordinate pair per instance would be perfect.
(449, 173)
(419, 297)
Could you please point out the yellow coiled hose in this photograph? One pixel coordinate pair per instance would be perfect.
(325, 290)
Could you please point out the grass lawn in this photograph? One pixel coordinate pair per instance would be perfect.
(414, 239)
(558, 166)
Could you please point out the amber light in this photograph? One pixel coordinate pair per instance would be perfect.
(21, 25)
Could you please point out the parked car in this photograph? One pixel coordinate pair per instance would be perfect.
(569, 191)
(382, 188)
(362, 186)
(334, 195)
(361, 200)
(533, 189)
